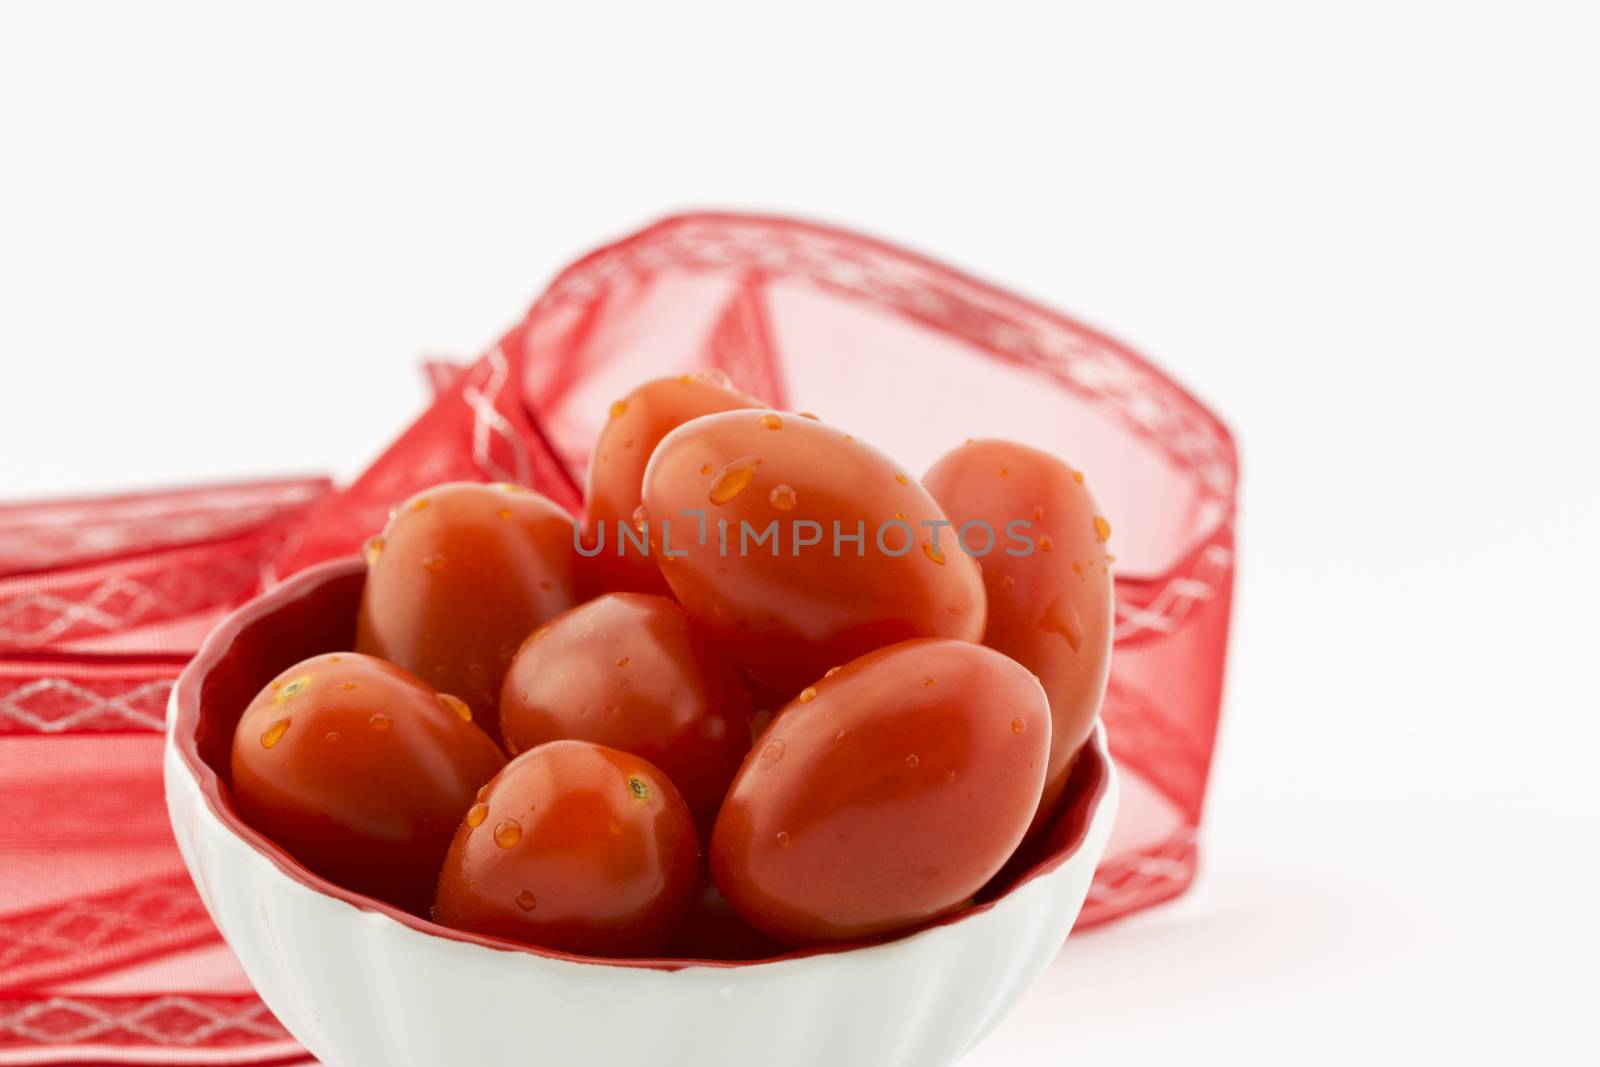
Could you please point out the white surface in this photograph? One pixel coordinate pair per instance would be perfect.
(359, 989)
(1367, 235)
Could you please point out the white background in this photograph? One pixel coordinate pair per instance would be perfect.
(1370, 237)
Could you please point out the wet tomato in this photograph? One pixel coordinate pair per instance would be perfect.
(574, 847)
(799, 547)
(636, 425)
(460, 576)
(885, 795)
(1050, 595)
(361, 772)
(631, 671)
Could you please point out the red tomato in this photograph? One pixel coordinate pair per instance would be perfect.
(1050, 607)
(575, 847)
(461, 575)
(631, 671)
(616, 469)
(786, 610)
(361, 772)
(885, 794)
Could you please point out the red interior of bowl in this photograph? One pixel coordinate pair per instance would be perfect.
(314, 612)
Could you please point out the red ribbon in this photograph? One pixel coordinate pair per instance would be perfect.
(106, 954)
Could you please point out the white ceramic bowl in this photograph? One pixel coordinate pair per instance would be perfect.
(361, 984)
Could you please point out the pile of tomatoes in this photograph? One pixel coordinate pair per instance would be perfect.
(774, 691)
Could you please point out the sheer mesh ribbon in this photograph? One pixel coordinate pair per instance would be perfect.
(105, 952)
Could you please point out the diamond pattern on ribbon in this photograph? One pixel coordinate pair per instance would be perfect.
(1139, 879)
(85, 602)
(172, 1021)
(496, 448)
(65, 533)
(1173, 600)
(65, 940)
(49, 697)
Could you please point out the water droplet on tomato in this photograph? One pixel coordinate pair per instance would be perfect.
(1102, 529)
(807, 695)
(507, 833)
(274, 733)
(773, 752)
(380, 721)
(527, 901)
(457, 705)
(771, 421)
(733, 479)
(1018, 726)
(782, 497)
(617, 408)
(477, 813)
(783, 839)
(1063, 618)
(913, 762)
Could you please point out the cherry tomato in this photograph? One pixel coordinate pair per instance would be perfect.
(1050, 604)
(361, 772)
(632, 671)
(461, 575)
(885, 795)
(616, 469)
(802, 600)
(575, 847)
